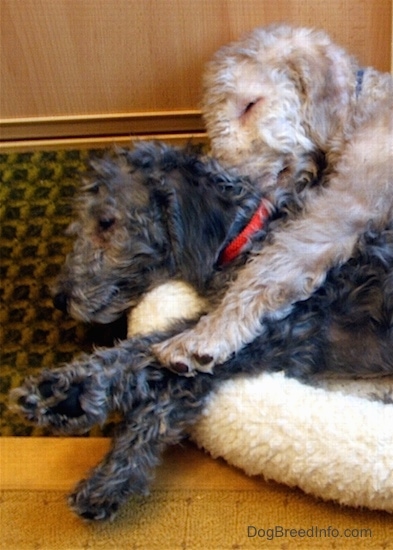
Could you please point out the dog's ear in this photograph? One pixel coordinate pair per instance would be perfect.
(164, 199)
(321, 75)
(195, 229)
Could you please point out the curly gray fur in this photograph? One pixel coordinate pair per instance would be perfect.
(158, 213)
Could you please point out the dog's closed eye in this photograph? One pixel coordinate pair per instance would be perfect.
(249, 106)
(106, 223)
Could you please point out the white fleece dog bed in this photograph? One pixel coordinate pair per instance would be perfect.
(334, 441)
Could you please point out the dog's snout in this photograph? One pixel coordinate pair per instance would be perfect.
(60, 301)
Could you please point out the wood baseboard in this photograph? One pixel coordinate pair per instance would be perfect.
(97, 142)
(76, 131)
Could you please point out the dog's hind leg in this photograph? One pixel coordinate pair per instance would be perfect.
(129, 466)
(157, 406)
(165, 406)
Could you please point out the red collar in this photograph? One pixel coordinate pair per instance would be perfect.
(257, 222)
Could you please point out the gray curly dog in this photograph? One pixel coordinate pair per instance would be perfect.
(158, 213)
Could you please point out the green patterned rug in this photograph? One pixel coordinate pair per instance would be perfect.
(36, 191)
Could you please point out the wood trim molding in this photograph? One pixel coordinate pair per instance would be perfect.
(94, 126)
(21, 146)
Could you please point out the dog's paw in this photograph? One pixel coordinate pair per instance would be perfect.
(91, 505)
(188, 353)
(54, 399)
(99, 497)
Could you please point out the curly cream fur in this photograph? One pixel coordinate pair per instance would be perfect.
(272, 102)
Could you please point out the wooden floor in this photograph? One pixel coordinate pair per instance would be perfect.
(58, 463)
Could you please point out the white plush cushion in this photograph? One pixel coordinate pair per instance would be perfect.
(333, 441)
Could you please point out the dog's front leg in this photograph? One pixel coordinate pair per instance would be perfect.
(286, 271)
(69, 399)
(73, 398)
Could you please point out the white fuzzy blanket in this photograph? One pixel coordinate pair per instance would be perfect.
(334, 441)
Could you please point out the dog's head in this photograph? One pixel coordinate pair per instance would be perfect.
(118, 241)
(275, 98)
(121, 233)
(144, 216)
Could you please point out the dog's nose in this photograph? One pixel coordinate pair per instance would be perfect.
(60, 301)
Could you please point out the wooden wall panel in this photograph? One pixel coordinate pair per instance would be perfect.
(87, 58)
